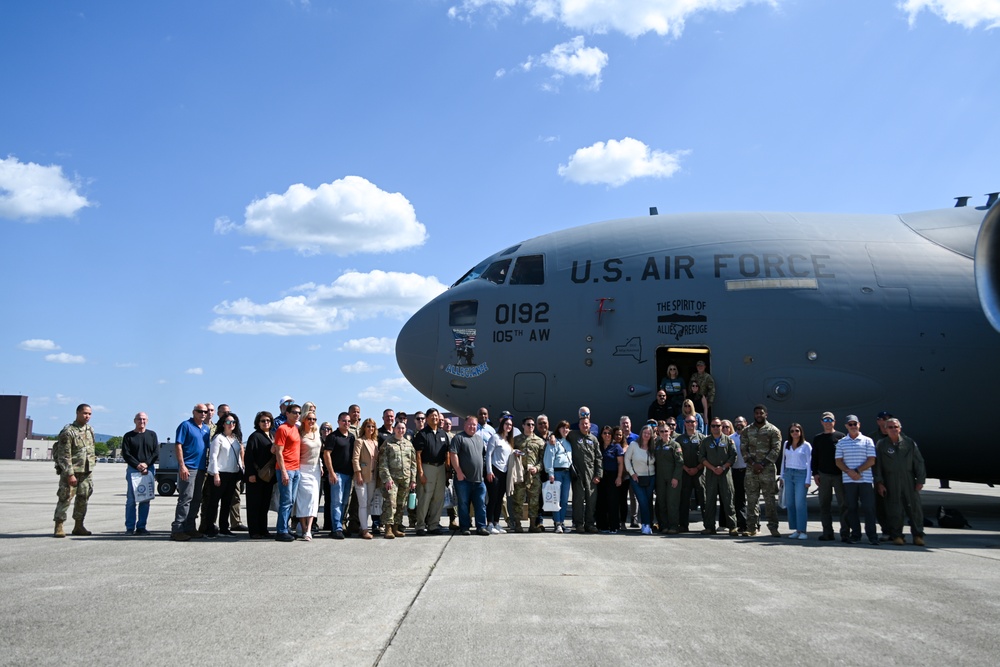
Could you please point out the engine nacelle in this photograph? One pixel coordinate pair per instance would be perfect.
(987, 267)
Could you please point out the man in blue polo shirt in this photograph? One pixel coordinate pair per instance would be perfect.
(192, 459)
(855, 456)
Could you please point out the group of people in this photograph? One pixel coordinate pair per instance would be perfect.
(377, 478)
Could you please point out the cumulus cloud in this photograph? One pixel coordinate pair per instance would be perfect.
(967, 13)
(38, 345)
(360, 367)
(64, 358)
(347, 216)
(615, 163)
(195, 371)
(572, 58)
(370, 345)
(631, 17)
(29, 191)
(319, 309)
(386, 390)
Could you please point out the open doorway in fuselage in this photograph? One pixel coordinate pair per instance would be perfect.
(684, 358)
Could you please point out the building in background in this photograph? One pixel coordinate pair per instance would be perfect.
(14, 427)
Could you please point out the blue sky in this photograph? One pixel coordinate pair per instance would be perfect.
(233, 201)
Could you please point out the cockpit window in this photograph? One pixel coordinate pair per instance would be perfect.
(528, 270)
(497, 272)
(511, 250)
(463, 313)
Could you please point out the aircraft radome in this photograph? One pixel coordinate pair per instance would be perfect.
(803, 312)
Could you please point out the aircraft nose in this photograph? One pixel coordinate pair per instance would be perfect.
(416, 349)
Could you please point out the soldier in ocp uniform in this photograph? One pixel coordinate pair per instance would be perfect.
(760, 444)
(397, 469)
(75, 459)
(528, 451)
(717, 453)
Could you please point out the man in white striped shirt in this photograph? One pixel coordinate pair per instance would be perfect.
(855, 458)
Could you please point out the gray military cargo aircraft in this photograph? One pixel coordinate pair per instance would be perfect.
(801, 312)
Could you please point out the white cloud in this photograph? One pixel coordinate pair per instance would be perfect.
(38, 345)
(360, 367)
(631, 17)
(29, 191)
(161, 381)
(386, 390)
(64, 358)
(313, 348)
(98, 408)
(573, 58)
(370, 345)
(967, 13)
(195, 371)
(347, 216)
(126, 364)
(62, 399)
(319, 309)
(617, 162)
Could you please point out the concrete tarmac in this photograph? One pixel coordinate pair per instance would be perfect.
(547, 599)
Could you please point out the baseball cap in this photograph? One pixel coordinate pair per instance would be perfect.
(852, 418)
(883, 415)
(828, 415)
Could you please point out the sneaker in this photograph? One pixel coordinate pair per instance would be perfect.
(494, 530)
(308, 537)
(803, 536)
(421, 532)
(646, 530)
(482, 531)
(794, 536)
(559, 528)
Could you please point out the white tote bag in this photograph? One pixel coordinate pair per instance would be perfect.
(143, 487)
(550, 496)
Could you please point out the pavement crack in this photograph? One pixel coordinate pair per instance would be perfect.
(406, 612)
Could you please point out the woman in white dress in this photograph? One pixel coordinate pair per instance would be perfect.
(307, 498)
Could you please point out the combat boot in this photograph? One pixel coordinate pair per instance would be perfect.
(535, 529)
(78, 529)
(399, 531)
(59, 530)
(388, 533)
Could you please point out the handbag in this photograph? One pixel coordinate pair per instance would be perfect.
(550, 496)
(143, 487)
(449, 496)
(265, 473)
(782, 503)
(375, 506)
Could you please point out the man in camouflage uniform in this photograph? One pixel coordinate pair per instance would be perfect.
(528, 449)
(899, 476)
(669, 469)
(75, 459)
(706, 382)
(717, 454)
(760, 444)
(397, 469)
(692, 479)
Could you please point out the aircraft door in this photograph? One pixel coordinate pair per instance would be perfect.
(684, 360)
(529, 392)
